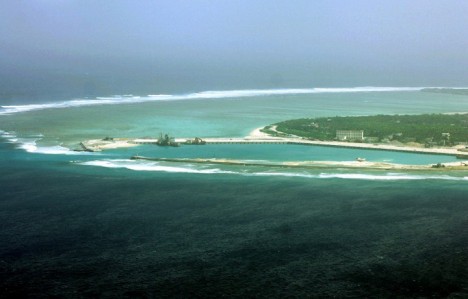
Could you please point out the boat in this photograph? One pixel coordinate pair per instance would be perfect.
(166, 141)
(196, 141)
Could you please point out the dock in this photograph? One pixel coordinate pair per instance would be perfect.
(245, 141)
(309, 164)
(218, 141)
(214, 161)
(112, 143)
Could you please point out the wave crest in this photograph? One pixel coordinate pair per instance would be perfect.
(138, 165)
(129, 99)
(148, 166)
(29, 145)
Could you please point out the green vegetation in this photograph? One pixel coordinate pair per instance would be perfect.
(427, 129)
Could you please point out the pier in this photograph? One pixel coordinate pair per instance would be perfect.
(216, 161)
(112, 143)
(218, 141)
(269, 164)
(244, 141)
(310, 164)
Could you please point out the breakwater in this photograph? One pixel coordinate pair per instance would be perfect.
(216, 161)
(305, 164)
(99, 145)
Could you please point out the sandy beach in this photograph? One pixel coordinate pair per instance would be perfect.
(405, 148)
(257, 133)
(97, 145)
(257, 136)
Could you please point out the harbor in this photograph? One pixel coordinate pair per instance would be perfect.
(358, 164)
(97, 145)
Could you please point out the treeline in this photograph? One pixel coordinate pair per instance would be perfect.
(429, 129)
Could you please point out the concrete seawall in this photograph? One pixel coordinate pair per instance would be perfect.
(308, 164)
(98, 145)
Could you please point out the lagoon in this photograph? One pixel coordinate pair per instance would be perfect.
(86, 223)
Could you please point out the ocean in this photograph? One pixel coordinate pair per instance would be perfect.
(76, 224)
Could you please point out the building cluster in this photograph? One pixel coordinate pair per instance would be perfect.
(350, 135)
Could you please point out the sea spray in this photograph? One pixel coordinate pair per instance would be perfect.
(29, 144)
(138, 165)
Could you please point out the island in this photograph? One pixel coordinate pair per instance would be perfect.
(425, 130)
(443, 134)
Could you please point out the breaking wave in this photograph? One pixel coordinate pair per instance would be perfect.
(31, 147)
(148, 166)
(29, 144)
(393, 177)
(130, 99)
(138, 165)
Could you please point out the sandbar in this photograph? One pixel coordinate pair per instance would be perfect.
(258, 137)
(312, 164)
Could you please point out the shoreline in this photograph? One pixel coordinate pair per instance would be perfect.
(258, 137)
(311, 164)
(96, 145)
(452, 151)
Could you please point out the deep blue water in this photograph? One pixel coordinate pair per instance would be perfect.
(71, 231)
(104, 226)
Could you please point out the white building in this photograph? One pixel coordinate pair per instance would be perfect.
(350, 135)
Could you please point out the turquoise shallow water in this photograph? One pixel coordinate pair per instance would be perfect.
(217, 117)
(282, 152)
(101, 225)
(76, 231)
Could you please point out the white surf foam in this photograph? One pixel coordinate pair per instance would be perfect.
(9, 136)
(29, 144)
(356, 176)
(359, 176)
(149, 166)
(389, 177)
(127, 99)
(138, 165)
(31, 147)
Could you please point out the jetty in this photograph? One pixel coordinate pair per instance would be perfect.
(96, 145)
(213, 161)
(310, 164)
(225, 140)
(217, 140)
(113, 143)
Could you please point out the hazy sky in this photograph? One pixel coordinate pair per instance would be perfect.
(234, 44)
